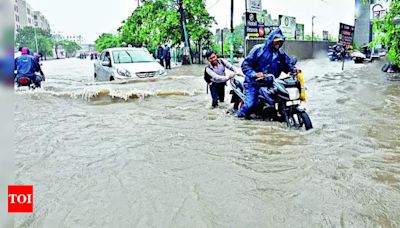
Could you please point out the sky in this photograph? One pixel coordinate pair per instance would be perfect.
(91, 18)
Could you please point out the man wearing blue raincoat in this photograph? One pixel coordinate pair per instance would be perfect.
(262, 60)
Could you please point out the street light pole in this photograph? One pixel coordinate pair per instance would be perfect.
(36, 41)
(312, 34)
(183, 20)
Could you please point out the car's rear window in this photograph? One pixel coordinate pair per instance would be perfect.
(131, 56)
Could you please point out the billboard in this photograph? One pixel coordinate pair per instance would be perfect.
(299, 31)
(288, 26)
(251, 29)
(346, 34)
(254, 6)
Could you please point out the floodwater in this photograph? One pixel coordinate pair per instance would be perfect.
(152, 153)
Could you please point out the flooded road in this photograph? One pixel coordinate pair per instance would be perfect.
(154, 154)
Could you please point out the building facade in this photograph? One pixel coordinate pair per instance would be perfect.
(364, 15)
(24, 16)
(40, 21)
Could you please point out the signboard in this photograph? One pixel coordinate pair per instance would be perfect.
(268, 29)
(299, 31)
(251, 29)
(346, 34)
(379, 9)
(254, 6)
(288, 26)
(325, 35)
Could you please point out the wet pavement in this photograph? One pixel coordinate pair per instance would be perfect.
(152, 153)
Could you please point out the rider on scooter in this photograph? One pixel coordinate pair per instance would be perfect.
(26, 65)
(264, 59)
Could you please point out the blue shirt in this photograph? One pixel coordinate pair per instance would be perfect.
(26, 65)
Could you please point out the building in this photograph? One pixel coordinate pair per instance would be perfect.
(25, 16)
(40, 21)
(75, 38)
(364, 15)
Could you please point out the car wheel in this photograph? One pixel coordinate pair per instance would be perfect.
(95, 76)
(111, 78)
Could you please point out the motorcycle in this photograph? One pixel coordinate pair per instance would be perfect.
(286, 95)
(25, 83)
(338, 52)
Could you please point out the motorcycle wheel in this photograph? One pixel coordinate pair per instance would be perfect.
(305, 119)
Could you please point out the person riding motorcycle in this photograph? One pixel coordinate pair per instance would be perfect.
(26, 65)
(263, 59)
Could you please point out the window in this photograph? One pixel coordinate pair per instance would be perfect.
(30, 21)
(16, 9)
(29, 11)
(132, 56)
(16, 18)
(35, 17)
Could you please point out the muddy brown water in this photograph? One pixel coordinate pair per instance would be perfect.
(152, 153)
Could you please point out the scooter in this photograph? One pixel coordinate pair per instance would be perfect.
(286, 96)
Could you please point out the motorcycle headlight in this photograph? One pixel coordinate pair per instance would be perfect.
(123, 72)
(294, 93)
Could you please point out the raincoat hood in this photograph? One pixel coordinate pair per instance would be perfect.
(277, 33)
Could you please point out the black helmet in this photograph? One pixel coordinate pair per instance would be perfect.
(209, 53)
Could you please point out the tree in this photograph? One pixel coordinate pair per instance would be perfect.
(158, 22)
(26, 38)
(265, 18)
(107, 40)
(388, 31)
(70, 47)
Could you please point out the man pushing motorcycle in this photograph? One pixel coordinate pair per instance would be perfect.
(263, 59)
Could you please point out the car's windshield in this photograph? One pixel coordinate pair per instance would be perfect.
(131, 56)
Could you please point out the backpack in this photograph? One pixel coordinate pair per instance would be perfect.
(208, 77)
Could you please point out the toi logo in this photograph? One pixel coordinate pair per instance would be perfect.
(20, 198)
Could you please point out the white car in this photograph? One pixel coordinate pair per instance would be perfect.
(126, 63)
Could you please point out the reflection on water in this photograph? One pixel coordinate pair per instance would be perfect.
(154, 154)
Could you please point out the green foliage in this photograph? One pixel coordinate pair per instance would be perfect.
(107, 40)
(316, 38)
(238, 40)
(157, 22)
(70, 47)
(265, 18)
(333, 39)
(356, 46)
(388, 32)
(26, 38)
